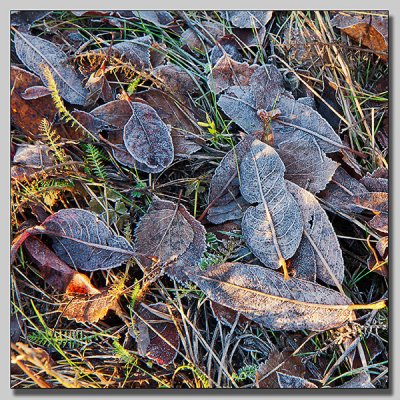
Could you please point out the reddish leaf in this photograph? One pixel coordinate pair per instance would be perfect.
(226, 315)
(155, 332)
(377, 202)
(35, 92)
(27, 114)
(369, 29)
(55, 272)
(115, 113)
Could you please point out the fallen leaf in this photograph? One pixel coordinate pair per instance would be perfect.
(341, 191)
(25, 18)
(360, 381)
(378, 203)
(31, 159)
(329, 95)
(27, 114)
(98, 87)
(115, 114)
(229, 45)
(147, 138)
(250, 37)
(370, 29)
(263, 296)
(82, 240)
(55, 272)
(34, 51)
(329, 259)
(304, 261)
(226, 315)
(376, 181)
(189, 36)
(160, 341)
(305, 163)
(382, 245)
(35, 92)
(292, 365)
(160, 18)
(168, 233)
(272, 227)
(247, 19)
(293, 382)
(89, 308)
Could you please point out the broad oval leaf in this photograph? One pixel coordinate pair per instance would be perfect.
(34, 51)
(172, 236)
(147, 138)
(320, 231)
(272, 229)
(263, 296)
(83, 241)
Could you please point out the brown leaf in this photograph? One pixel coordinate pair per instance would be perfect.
(98, 87)
(340, 192)
(159, 18)
(293, 382)
(27, 114)
(31, 159)
(55, 272)
(305, 163)
(272, 227)
(147, 138)
(89, 308)
(377, 266)
(377, 181)
(378, 203)
(369, 29)
(228, 72)
(292, 366)
(382, 245)
(226, 315)
(160, 341)
(168, 233)
(263, 296)
(190, 38)
(175, 79)
(115, 114)
(35, 92)
(360, 381)
(247, 19)
(329, 260)
(34, 51)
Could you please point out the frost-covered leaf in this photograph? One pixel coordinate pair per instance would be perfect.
(360, 381)
(272, 227)
(377, 181)
(320, 231)
(304, 261)
(136, 51)
(114, 113)
(170, 235)
(293, 382)
(340, 192)
(159, 18)
(190, 38)
(175, 79)
(83, 241)
(247, 19)
(155, 332)
(226, 315)
(305, 163)
(263, 296)
(147, 138)
(34, 51)
(378, 203)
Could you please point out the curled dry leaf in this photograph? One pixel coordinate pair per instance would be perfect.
(378, 203)
(293, 382)
(321, 235)
(169, 234)
(89, 308)
(263, 296)
(82, 240)
(55, 272)
(147, 138)
(27, 114)
(247, 19)
(272, 228)
(266, 379)
(34, 51)
(369, 29)
(156, 333)
(306, 164)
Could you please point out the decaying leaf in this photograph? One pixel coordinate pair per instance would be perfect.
(34, 51)
(114, 113)
(304, 261)
(368, 29)
(360, 381)
(190, 38)
(377, 181)
(266, 379)
(378, 203)
(82, 240)
(170, 235)
(31, 159)
(27, 114)
(147, 138)
(341, 191)
(35, 92)
(159, 18)
(89, 308)
(55, 272)
(155, 332)
(226, 315)
(272, 229)
(305, 163)
(247, 19)
(293, 382)
(329, 260)
(263, 296)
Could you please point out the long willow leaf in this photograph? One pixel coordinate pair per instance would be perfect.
(263, 296)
